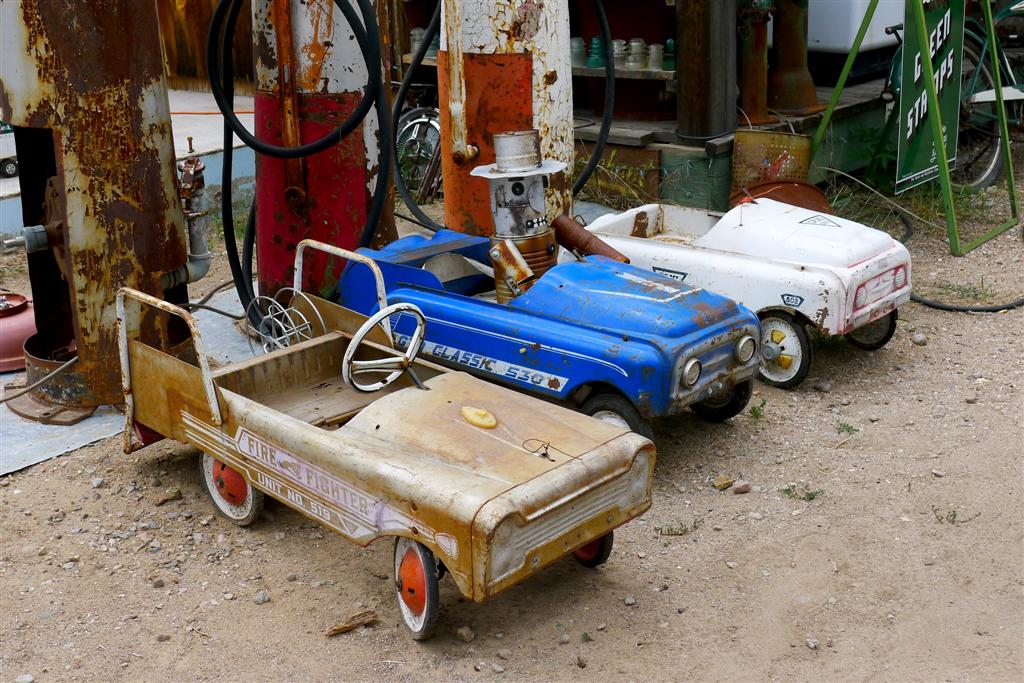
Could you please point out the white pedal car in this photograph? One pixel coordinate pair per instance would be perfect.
(793, 266)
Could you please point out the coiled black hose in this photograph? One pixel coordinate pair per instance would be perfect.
(220, 68)
(908, 232)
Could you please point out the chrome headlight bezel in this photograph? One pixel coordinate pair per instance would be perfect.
(746, 342)
(691, 372)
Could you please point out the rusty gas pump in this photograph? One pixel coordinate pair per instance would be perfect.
(98, 188)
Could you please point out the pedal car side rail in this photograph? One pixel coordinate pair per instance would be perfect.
(209, 388)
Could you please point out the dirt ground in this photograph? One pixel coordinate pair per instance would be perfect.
(883, 539)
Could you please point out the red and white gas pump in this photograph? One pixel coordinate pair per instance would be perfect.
(311, 75)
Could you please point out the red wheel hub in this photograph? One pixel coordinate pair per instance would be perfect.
(413, 582)
(588, 552)
(231, 485)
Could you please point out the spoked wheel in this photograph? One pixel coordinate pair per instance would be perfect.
(615, 409)
(234, 497)
(595, 553)
(416, 579)
(979, 149)
(786, 348)
(726, 403)
(875, 334)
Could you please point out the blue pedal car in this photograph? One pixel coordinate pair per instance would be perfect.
(617, 342)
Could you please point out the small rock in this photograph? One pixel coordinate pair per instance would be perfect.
(563, 639)
(25, 678)
(262, 597)
(741, 487)
(874, 418)
(938, 473)
(823, 385)
(497, 668)
(173, 493)
(717, 527)
(479, 666)
(505, 653)
(601, 627)
(465, 634)
(722, 482)
(629, 601)
(316, 583)
(641, 554)
(731, 565)
(279, 535)
(755, 515)
(205, 521)
(292, 577)
(812, 643)
(580, 662)
(971, 400)
(158, 583)
(919, 339)
(98, 482)
(229, 596)
(499, 635)
(163, 638)
(680, 610)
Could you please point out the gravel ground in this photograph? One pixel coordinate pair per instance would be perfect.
(882, 539)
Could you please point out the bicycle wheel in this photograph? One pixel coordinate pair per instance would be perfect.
(979, 150)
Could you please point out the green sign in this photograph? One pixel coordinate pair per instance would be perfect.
(916, 160)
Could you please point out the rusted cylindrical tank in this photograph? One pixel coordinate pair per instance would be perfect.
(83, 82)
(790, 86)
(310, 76)
(706, 69)
(752, 27)
(502, 66)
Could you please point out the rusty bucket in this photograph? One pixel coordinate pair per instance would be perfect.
(761, 156)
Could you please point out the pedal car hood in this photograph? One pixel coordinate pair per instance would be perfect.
(610, 296)
(530, 438)
(772, 230)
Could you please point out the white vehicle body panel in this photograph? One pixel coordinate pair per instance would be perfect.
(7, 149)
(769, 256)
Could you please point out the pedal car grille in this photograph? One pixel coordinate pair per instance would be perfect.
(513, 543)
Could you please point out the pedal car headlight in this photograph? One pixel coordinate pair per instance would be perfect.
(691, 372)
(745, 349)
(900, 277)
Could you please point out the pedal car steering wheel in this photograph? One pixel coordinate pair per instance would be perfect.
(395, 365)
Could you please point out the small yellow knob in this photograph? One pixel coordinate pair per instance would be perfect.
(478, 417)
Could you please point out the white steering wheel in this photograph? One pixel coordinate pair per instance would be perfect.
(395, 365)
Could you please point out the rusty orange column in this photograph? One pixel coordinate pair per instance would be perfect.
(501, 67)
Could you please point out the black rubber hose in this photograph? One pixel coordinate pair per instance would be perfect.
(908, 232)
(225, 17)
(218, 85)
(219, 56)
(609, 100)
(248, 245)
(417, 59)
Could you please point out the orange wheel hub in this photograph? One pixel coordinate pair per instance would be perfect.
(413, 582)
(588, 552)
(231, 485)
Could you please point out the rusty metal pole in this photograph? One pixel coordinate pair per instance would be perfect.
(706, 72)
(502, 66)
(752, 26)
(790, 86)
(310, 76)
(89, 99)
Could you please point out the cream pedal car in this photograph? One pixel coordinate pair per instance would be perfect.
(794, 267)
(470, 478)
